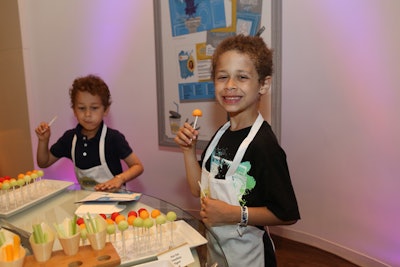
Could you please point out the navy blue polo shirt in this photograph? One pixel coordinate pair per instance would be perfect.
(87, 150)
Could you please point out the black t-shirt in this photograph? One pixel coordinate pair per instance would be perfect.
(87, 150)
(273, 187)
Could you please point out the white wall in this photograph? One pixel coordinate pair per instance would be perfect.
(340, 123)
(340, 107)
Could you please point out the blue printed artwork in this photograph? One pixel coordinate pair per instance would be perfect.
(190, 16)
(186, 64)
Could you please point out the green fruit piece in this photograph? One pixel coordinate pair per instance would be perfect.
(148, 223)
(21, 182)
(161, 219)
(27, 178)
(138, 222)
(5, 186)
(123, 225)
(40, 173)
(111, 229)
(13, 183)
(171, 216)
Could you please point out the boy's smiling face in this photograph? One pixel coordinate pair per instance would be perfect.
(237, 85)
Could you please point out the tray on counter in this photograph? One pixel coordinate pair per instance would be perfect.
(26, 196)
(143, 245)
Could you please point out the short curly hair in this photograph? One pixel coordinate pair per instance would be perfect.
(93, 85)
(253, 46)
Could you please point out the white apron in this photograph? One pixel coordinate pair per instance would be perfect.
(250, 252)
(99, 174)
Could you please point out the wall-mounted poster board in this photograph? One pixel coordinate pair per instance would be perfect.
(186, 32)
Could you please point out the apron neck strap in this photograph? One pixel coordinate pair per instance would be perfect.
(242, 148)
(214, 142)
(244, 145)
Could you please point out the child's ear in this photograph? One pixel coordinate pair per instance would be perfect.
(265, 86)
(106, 111)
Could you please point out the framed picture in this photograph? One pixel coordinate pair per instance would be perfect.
(186, 32)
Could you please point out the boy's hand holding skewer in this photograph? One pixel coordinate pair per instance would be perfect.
(42, 131)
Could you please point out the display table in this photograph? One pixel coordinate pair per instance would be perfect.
(64, 204)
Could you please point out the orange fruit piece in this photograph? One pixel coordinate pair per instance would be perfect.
(119, 218)
(131, 219)
(109, 221)
(144, 214)
(155, 213)
(197, 112)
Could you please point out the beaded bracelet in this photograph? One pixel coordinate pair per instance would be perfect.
(244, 216)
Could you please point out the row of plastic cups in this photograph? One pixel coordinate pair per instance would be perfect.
(70, 244)
(43, 251)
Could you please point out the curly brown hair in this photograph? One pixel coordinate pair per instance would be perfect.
(93, 85)
(253, 46)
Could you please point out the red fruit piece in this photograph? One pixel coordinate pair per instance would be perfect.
(132, 212)
(79, 221)
(114, 215)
